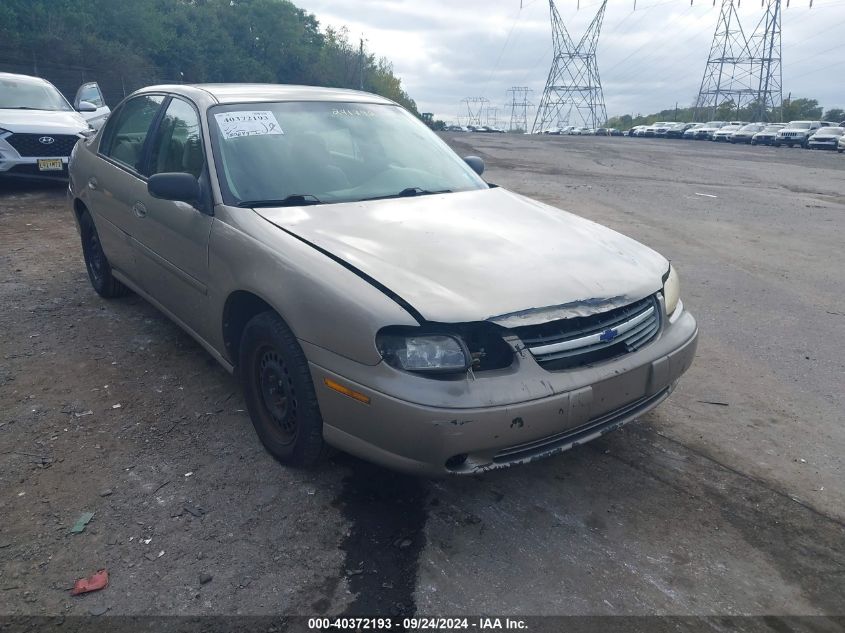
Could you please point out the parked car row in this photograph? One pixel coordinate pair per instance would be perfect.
(574, 130)
(809, 134)
(484, 129)
(38, 127)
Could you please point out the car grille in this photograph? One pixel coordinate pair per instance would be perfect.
(30, 145)
(578, 341)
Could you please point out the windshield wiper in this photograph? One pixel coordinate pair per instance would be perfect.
(409, 192)
(295, 200)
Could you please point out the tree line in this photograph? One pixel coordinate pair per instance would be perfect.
(792, 110)
(140, 42)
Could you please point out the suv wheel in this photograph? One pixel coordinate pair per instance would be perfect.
(99, 269)
(279, 392)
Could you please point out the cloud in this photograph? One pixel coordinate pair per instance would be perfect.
(648, 59)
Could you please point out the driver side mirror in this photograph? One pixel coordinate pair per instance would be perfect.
(86, 106)
(179, 187)
(475, 163)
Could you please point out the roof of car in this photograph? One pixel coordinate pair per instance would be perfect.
(256, 93)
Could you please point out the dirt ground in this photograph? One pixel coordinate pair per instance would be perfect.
(726, 500)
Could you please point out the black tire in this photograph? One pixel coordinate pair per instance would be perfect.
(99, 269)
(279, 392)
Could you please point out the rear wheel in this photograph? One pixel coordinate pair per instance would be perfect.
(279, 392)
(99, 269)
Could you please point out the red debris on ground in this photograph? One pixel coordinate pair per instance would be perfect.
(93, 583)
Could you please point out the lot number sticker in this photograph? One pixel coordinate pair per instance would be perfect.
(248, 123)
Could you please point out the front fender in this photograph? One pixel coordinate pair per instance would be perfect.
(323, 303)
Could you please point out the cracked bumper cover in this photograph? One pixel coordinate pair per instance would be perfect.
(495, 420)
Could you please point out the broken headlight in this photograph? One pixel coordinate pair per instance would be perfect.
(424, 353)
(671, 290)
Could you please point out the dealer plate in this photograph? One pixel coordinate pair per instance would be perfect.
(49, 164)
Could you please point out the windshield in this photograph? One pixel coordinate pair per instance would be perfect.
(772, 128)
(30, 94)
(831, 131)
(714, 124)
(751, 128)
(330, 152)
(799, 125)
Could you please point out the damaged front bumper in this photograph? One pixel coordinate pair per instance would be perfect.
(495, 419)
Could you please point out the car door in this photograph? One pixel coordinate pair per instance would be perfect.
(115, 182)
(173, 236)
(91, 93)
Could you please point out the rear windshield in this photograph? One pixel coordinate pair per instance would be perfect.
(30, 94)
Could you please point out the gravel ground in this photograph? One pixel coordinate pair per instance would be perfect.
(727, 499)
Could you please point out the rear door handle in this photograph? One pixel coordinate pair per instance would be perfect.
(139, 210)
(92, 184)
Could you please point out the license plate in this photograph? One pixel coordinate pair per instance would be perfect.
(50, 164)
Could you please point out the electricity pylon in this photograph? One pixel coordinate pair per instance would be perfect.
(475, 107)
(573, 81)
(519, 108)
(743, 71)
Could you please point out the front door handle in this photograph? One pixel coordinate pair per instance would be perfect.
(139, 210)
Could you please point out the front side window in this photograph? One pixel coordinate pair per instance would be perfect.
(330, 152)
(31, 94)
(124, 135)
(91, 93)
(177, 145)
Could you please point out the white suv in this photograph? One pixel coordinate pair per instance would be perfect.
(798, 133)
(38, 127)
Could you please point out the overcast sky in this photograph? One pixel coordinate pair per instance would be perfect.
(445, 50)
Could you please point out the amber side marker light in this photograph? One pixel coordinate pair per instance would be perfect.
(346, 391)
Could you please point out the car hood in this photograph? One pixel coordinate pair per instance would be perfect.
(481, 255)
(42, 121)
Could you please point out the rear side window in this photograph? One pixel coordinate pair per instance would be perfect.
(125, 134)
(177, 144)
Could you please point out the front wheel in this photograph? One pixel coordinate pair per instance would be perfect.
(279, 392)
(99, 269)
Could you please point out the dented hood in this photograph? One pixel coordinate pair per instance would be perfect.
(482, 255)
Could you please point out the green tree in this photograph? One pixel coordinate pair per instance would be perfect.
(126, 45)
(837, 115)
(802, 108)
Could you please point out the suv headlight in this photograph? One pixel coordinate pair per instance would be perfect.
(424, 353)
(671, 290)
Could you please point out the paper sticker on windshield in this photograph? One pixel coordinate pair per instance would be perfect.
(247, 123)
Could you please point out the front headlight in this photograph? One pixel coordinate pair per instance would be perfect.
(671, 290)
(424, 353)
